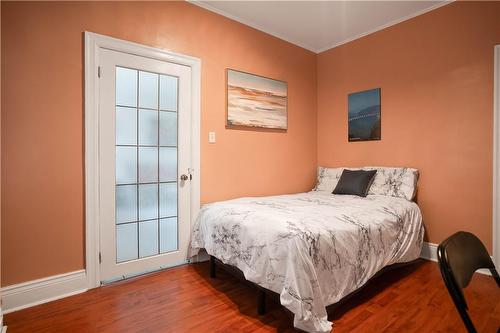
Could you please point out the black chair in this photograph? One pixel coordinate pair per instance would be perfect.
(459, 257)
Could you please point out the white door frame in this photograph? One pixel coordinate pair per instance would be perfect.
(496, 159)
(93, 42)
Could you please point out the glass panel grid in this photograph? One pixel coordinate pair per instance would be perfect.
(148, 90)
(168, 129)
(146, 164)
(148, 238)
(148, 202)
(168, 92)
(126, 244)
(148, 127)
(126, 124)
(126, 164)
(126, 203)
(126, 87)
(168, 235)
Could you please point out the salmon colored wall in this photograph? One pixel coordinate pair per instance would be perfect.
(436, 75)
(435, 71)
(42, 125)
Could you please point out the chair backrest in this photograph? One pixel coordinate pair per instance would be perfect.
(459, 257)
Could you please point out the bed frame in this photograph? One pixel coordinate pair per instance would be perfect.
(263, 293)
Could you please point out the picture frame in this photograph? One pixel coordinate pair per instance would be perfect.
(255, 102)
(364, 115)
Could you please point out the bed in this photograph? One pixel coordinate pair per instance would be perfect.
(313, 248)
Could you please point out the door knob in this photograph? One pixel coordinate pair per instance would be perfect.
(184, 177)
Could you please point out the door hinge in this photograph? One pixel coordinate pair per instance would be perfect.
(98, 71)
(100, 259)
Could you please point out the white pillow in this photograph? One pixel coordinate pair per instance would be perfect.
(328, 178)
(394, 182)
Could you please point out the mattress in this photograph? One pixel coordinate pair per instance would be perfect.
(311, 248)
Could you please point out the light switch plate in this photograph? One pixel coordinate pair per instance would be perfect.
(211, 137)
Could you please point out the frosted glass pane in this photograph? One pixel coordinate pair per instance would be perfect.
(126, 242)
(168, 164)
(148, 127)
(126, 86)
(126, 203)
(126, 165)
(148, 238)
(126, 126)
(148, 164)
(168, 93)
(168, 129)
(168, 199)
(148, 201)
(148, 90)
(168, 234)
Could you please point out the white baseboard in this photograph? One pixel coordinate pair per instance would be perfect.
(429, 252)
(31, 293)
(2, 328)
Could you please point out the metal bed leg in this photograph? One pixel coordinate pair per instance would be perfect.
(261, 302)
(212, 267)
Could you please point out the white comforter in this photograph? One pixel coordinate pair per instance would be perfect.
(311, 248)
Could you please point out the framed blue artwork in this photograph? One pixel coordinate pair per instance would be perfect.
(364, 115)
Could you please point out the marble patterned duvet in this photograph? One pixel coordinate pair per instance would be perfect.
(311, 248)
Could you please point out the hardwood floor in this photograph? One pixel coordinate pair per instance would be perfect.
(185, 299)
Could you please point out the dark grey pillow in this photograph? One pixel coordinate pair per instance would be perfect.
(355, 182)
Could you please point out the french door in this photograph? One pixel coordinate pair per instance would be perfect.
(144, 161)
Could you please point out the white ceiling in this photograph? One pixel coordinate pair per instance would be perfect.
(319, 25)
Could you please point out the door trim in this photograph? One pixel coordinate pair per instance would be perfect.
(93, 42)
(496, 158)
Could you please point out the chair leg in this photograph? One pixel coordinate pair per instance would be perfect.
(212, 267)
(495, 275)
(261, 302)
(467, 321)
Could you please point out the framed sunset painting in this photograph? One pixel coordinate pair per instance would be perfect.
(255, 101)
